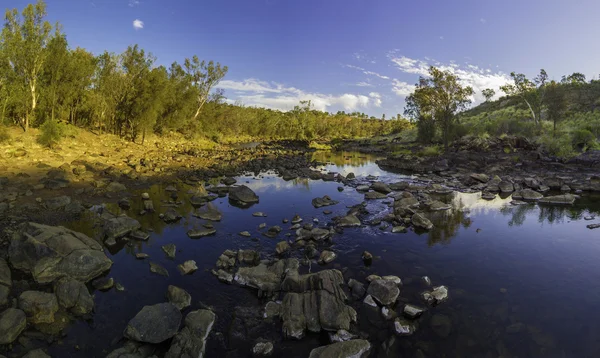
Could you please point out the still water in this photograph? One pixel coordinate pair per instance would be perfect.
(523, 280)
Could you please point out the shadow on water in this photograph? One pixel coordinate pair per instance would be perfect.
(522, 279)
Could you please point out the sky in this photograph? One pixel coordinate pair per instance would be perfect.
(351, 55)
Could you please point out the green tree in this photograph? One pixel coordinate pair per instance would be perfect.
(438, 97)
(25, 39)
(204, 76)
(488, 93)
(556, 103)
(531, 92)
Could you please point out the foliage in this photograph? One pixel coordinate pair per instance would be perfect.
(319, 146)
(560, 146)
(4, 135)
(430, 151)
(531, 92)
(438, 97)
(556, 105)
(488, 93)
(51, 133)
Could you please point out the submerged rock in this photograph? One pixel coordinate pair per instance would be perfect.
(436, 296)
(564, 199)
(12, 323)
(420, 221)
(198, 233)
(154, 324)
(49, 253)
(324, 201)
(384, 291)
(169, 250)
(357, 348)
(242, 195)
(441, 325)
(191, 341)
(158, 269)
(187, 267)
(327, 256)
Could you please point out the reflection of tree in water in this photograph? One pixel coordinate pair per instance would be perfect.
(518, 212)
(558, 214)
(445, 225)
(301, 182)
(344, 158)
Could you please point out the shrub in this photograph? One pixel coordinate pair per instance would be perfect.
(560, 146)
(583, 138)
(430, 151)
(4, 135)
(426, 130)
(51, 133)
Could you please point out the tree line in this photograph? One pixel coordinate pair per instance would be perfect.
(43, 80)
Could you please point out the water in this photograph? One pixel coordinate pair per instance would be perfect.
(523, 280)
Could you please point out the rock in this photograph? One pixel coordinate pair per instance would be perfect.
(350, 176)
(154, 324)
(399, 230)
(170, 250)
(171, 216)
(488, 196)
(39, 307)
(114, 187)
(119, 226)
(381, 187)
(593, 226)
(506, 187)
(357, 348)
(187, 267)
(191, 341)
(133, 349)
(373, 195)
(141, 256)
(527, 195)
(441, 325)
(242, 195)
(198, 233)
(565, 188)
(426, 280)
(5, 275)
(49, 253)
(209, 212)
(228, 181)
(363, 188)
(324, 201)
(412, 311)
(357, 289)
(58, 202)
(437, 205)
(326, 257)
(74, 296)
(296, 219)
(259, 214)
(158, 269)
(262, 349)
(282, 247)
(384, 291)
(341, 336)
(395, 279)
(420, 221)
(12, 323)
(145, 196)
(36, 353)
(563, 199)
(437, 296)
(139, 235)
(245, 234)
(553, 183)
(367, 258)
(482, 178)
(316, 234)
(4, 292)
(267, 278)
(103, 283)
(179, 297)
(369, 301)
(148, 206)
(272, 309)
(250, 257)
(403, 327)
(372, 278)
(349, 221)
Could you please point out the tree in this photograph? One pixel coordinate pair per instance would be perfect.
(531, 92)
(204, 77)
(438, 98)
(488, 93)
(575, 78)
(556, 103)
(25, 39)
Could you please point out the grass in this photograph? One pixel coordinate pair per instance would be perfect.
(319, 146)
(4, 135)
(430, 151)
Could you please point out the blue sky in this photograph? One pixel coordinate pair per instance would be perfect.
(343, 54)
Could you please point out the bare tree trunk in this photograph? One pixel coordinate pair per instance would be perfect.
(532, 112)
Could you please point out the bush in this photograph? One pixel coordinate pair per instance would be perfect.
(583, 138)
(4, 135)
(426, 130)
(560, 146)
(430, 151)
(51, 133)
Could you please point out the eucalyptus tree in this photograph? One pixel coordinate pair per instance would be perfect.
(531, 92)
(204, 76)
(488, 93)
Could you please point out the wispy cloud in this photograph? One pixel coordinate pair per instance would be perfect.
(401, 88)
(368, 73)
(364, 84)
(138, 24)
(469, 75)
(134, 3)
(254, 92)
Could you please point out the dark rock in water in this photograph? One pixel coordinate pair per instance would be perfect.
(39, 307)
(357, 288)
(272, 309)
(179, 297)
(171, 216)
(373, 195)
(12, 323)
(441, 325)
(267, 278)
(412, 311)
(49, 253)
(141, 256)
(259, 214)
(381, 187)
(315, 234)
(384, 291)
(133, 349)
(350, 176)
(191, 341)
(200, 200)
(103, 283)
(296, 219)
(593, 226)
(198, 233)
(282, 247)
(315, 302)
(154, 324)
(327, 256)
(527, 195)
(5, 274)
(324, 201)
(119, 226)
(223, 276)
(506, 187)
(170, 250)
(358, 348)
(367, 257)
(227, 260)
(349, 221)
(36, 353)
(564, 199)
(139, 235)
(187, 267)
(242, 195)
(74, 296)
(403, 327)
(250, 257)
(420, 221)
(158, 269)
(228, 181)
(399, 186)
(209, 212)
(262, 349)
(340, 188)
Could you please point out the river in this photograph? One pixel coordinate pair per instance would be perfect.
(522, 280)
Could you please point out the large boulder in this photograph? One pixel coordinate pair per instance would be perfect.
(381, 187)
(119, 226)
(527, 195)
(266, 278)
(40, 307)
(49, 253)
(74, 296)
(179, 297)
(12, 323)
(420, 221)
(209, 212)
(242, 195)
(191, 341)
(5, 274)
(384, 291)
(358, 348)
(324, 201)
(154, 324)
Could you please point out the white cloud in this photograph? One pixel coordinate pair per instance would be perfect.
(277, 96)
(376, 98)
(134, 3)
(364, 84)
(138, 24)
(368, 73)
(469, 75)
(401, 88)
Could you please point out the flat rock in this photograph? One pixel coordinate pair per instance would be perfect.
(564, 199)
(436, 296)
(243, 195)
(208, 212)
(154, 324)
(74, 296)
(324, 201)
(349, 221)
(187, 267)
(381, 187)
(266, 278)
(158, 269)
(179, 297)
(327, 256)
(12, 323)
(373, 195)
(49, 253)
(384, 291)
(358, 348)
(198, 233)
(119, 226)
(420, 221)
(169, 250)
(191, 341)
(58, 202)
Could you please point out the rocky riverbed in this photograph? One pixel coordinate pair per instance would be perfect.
(301, 261)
